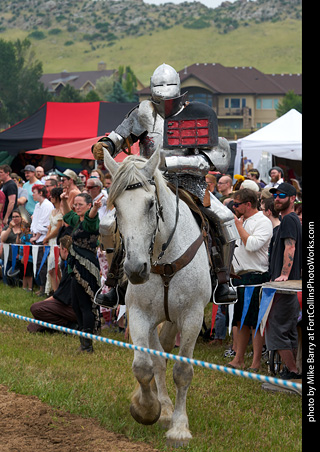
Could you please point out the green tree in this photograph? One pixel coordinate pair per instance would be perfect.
(69, 94)
(129, 84)
(128, 81)
(21, 92)
(118, 94)
(290, 100)
(104, 87)
(91, 96)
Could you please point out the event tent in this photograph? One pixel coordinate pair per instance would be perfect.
(79, 150)
(281, 138)
(62, 122)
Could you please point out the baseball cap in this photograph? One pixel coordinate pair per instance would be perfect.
(29, 168)
(286, 188)
(252, 185)
(71, 174)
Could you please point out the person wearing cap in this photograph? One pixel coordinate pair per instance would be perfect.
(69, 179)
(276, 176)
(285, 264)
(30, 175)
(252, 185)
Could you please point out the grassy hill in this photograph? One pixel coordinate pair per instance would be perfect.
(271, 48)
(266, 34)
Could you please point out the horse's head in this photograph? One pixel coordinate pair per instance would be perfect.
(134, 195)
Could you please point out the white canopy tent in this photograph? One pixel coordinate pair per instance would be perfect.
(281, 138)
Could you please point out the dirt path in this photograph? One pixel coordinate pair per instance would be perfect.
(28, 425)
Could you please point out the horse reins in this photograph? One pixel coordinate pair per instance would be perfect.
(167, 271)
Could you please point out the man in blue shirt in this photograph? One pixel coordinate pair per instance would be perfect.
(29, 172)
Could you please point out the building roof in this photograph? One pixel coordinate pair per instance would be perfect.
(238, 80)
(76, 79)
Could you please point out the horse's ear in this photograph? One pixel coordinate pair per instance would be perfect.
(111, 165)
(152, 164)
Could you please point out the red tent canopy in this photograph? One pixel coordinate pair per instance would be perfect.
(79, 150)
(63, 122)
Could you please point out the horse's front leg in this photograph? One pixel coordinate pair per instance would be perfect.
(179, 433)
(165, 343)
(145, 407)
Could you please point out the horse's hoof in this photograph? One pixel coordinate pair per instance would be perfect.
(178, 438)
(165, 422)
(145, 417)
(177, 443)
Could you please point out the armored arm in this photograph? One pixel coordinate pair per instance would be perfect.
(198, 164)
(127, 133)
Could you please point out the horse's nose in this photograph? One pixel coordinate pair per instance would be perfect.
(137, 272)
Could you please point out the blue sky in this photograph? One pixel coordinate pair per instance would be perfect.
(209, 3)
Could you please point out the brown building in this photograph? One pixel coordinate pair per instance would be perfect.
(242, 97)
(84, 81)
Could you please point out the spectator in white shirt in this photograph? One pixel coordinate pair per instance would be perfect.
(251, 263)
(39, 226)
(276, 176)
(94, 187)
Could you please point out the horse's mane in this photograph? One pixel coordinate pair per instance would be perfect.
(129, 173)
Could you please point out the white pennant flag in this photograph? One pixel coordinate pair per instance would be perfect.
(5, 255)
(231, 312)
(35, 249)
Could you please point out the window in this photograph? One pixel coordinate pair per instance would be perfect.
(205, 98)
(235, 103)
(267, 104)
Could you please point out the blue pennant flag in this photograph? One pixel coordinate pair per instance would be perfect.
(14, 250)
(45, 255)
(266, 298)
(248, 291)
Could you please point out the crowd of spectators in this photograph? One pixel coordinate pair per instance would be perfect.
(44, 210)
(65, 209)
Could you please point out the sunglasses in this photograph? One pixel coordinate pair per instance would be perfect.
(237, 204)
(280, 195)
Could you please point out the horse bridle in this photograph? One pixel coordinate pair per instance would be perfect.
(159, 214)
(168, 270)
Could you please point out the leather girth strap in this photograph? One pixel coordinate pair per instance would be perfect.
(167, 271)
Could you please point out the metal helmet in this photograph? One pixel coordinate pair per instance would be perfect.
(164, 83)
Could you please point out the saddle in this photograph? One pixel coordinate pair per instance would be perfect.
(205, 224)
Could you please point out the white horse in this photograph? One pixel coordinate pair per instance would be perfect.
(146, 215)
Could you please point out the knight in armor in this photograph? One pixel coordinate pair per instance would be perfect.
(190, 148)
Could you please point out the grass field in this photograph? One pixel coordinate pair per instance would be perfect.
(226, 413)
(269, 47)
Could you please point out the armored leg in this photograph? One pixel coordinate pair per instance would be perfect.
(116, 294)
(222, 250)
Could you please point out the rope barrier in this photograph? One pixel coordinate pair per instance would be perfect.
(194, 362)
